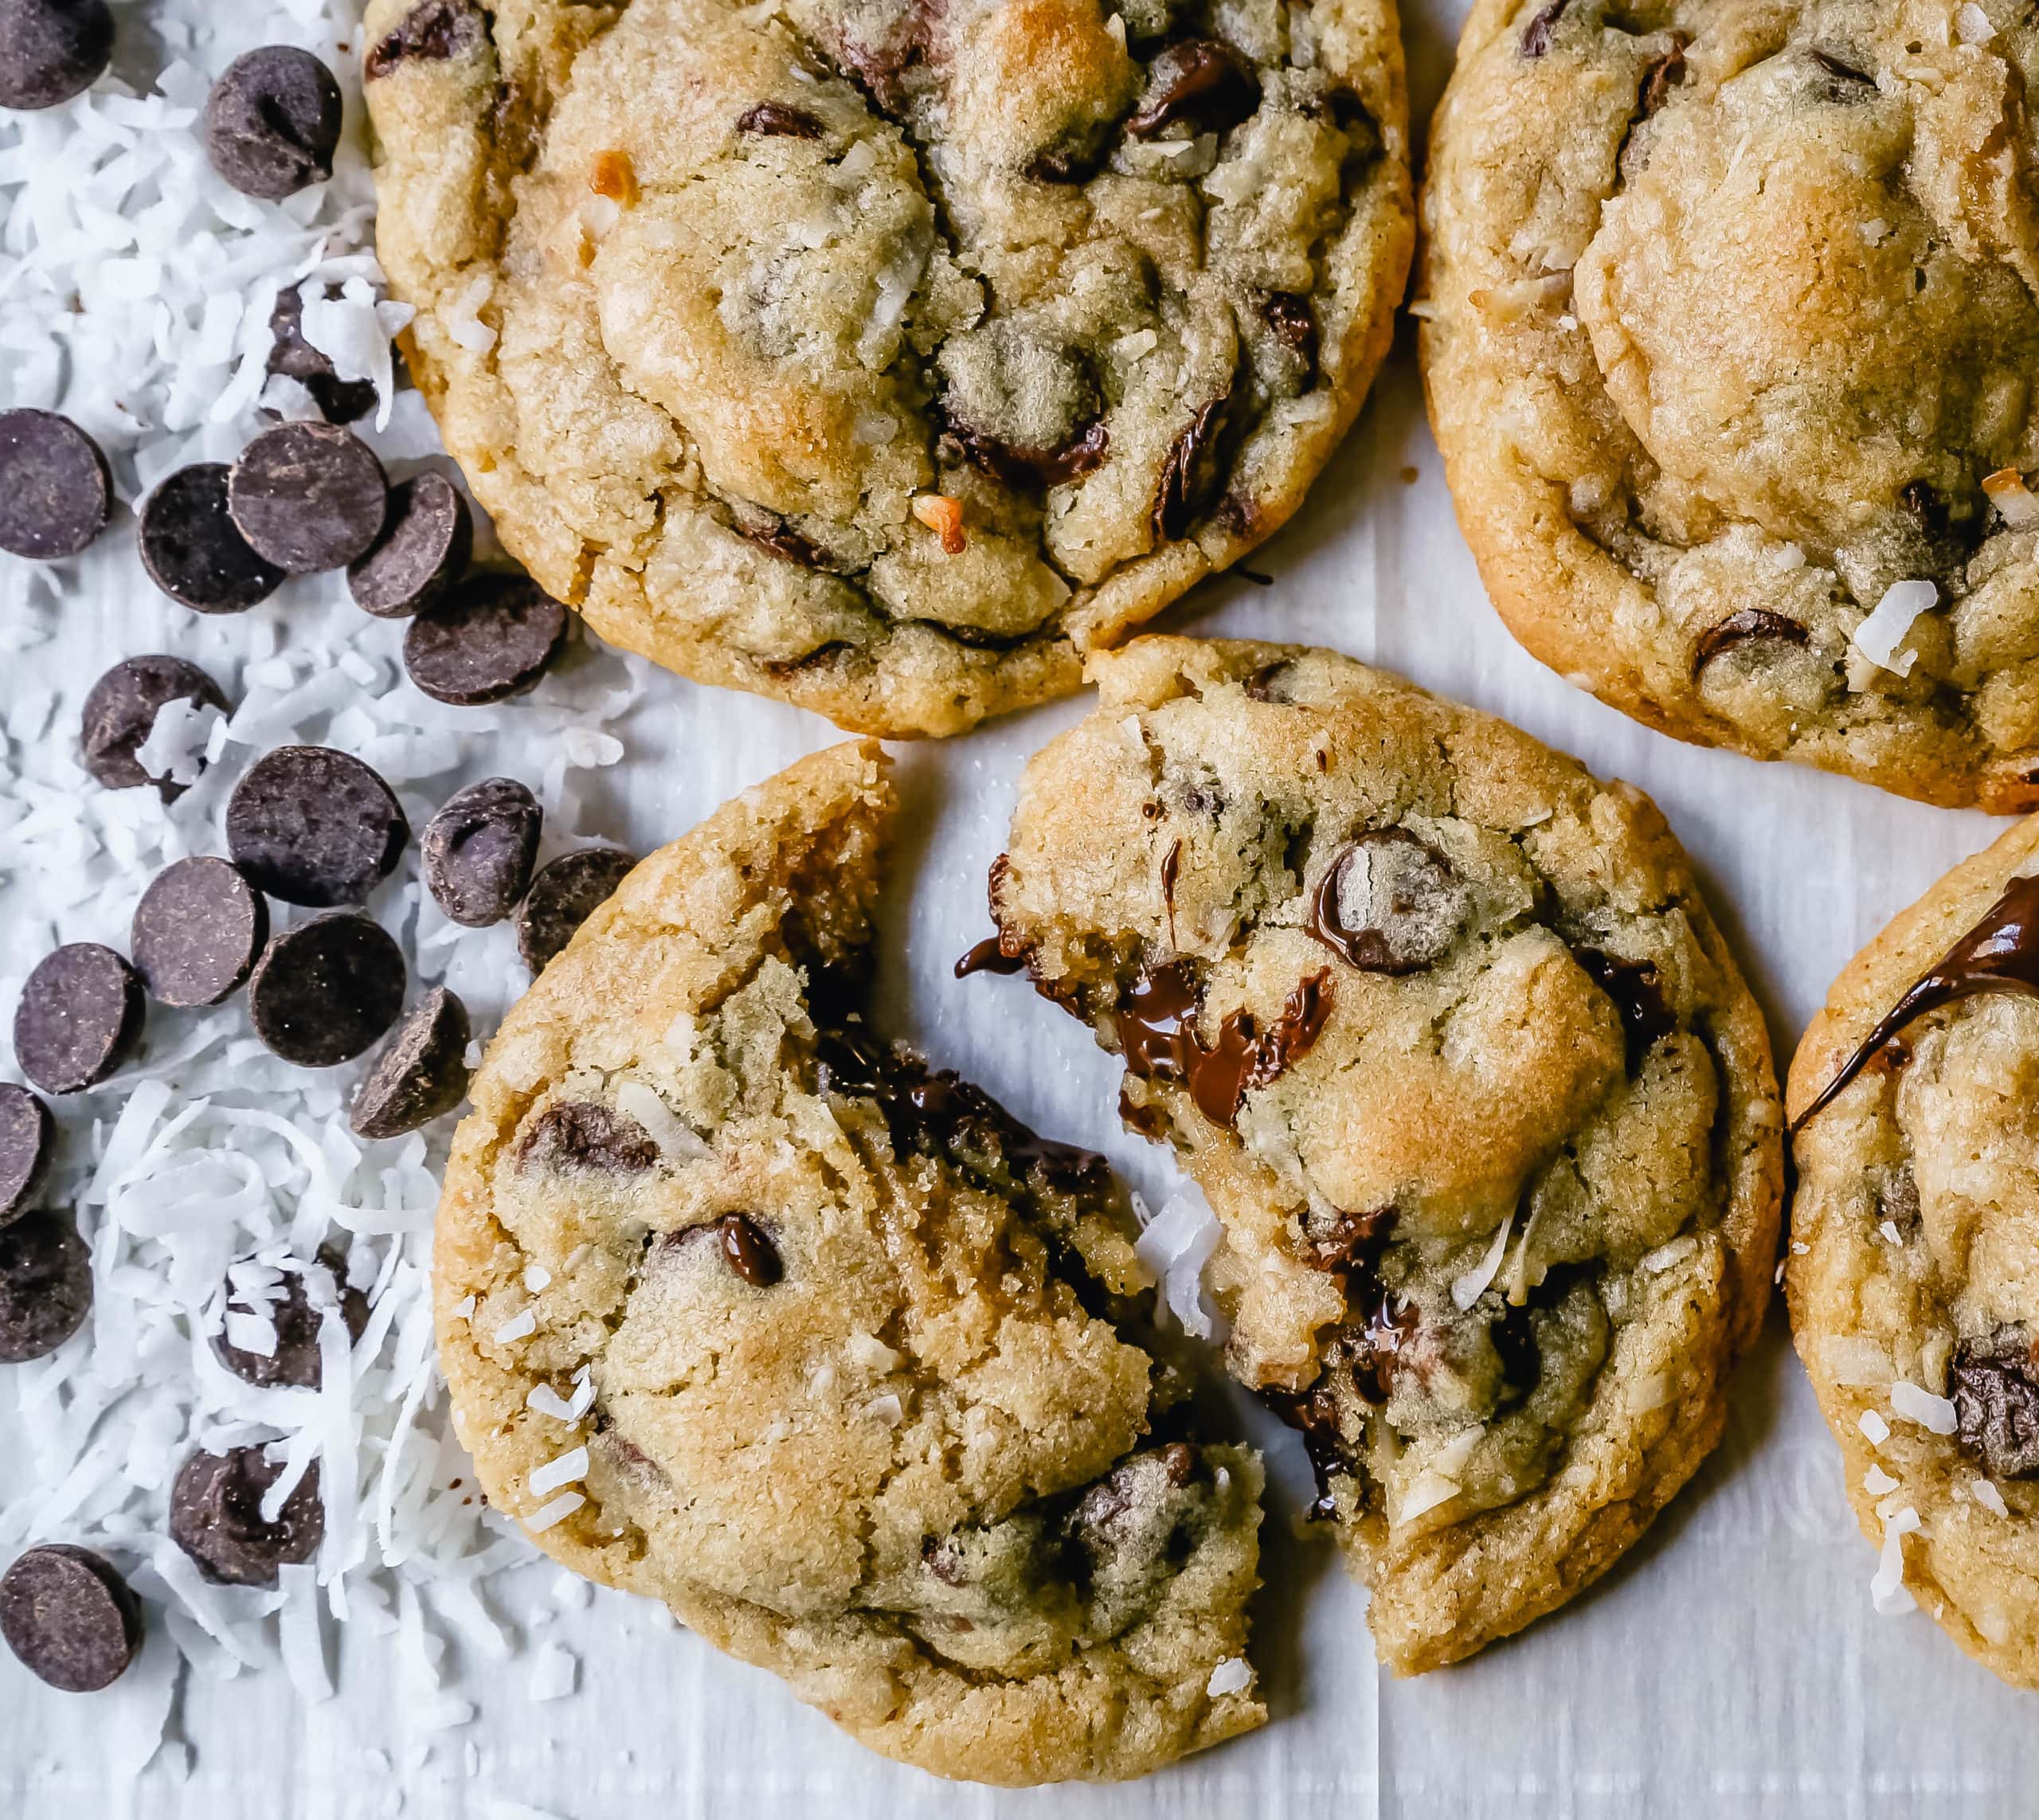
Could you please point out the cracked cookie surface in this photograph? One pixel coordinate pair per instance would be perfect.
(1732, 338)
(1443, 1028)
(1913, 1274)
(861, 1372)
(885, 356)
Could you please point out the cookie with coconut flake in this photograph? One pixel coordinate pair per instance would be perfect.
(745, 1310)
(1442, 1026)
(885, 357)
(1730, 346)
(1913, 1277)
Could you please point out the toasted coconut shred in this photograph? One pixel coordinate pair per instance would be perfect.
(207, 1173)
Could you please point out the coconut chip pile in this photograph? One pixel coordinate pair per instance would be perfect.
(207, 1173)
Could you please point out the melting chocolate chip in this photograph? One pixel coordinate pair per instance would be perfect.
(989, 957)
(1638, 990)
(198, 930)
(216, 1517)
(431, 32)
(324, 991)
(55, 490)
(1349, 1244)
(340, 401)
(28, 1140)
(1190, 474)
(423, 549)
(421, 1072)
(494, 636)
(1313, 1413)
(1156, 1022)
(1289, 315)
(193, 552)
(80, 1018)
(1845, 83)
(774, 120)
(1271, 683)
(1200, 81)
(70, 1618)
(272, 122)
(1017, 467)
(46, 1286)
(308, 497)
(748, 1251)
(120, 713)
(1536, 34)
(297, 1361)
(1996, 1403)
(580, 1134)
(1370, 1352)
(1389, 903)
(563, 896)
(2000, 954)
(1749, 625)
(315, 826)
(479, 849)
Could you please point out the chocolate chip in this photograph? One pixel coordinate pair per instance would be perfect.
(1664, 74)
(563, 896)
(771, 120)
(28, 1138)
(1289, 315)
(749, 1252)
(51, 50)
(80, 1018)
(216, 1517)
(1016, 467)
(494, 638)
(431, 32)
(1747, 625)
(198, 930)
(479, 849)
(316, 826)
(1189, 474)
(191, 549)
(297, 1361)
(1996, 1403)
(55, 490)
(70, 1618)
(1389, 903)
(272, 122)
(340, 401)
(580, 1134)
(1536, 34)
(422, 1073)
(1637, 991)
(323, 991)
(422, 552)
(1844, 82)
(308, 497)
(1201, 81)
(120, 713)
(46, 1286)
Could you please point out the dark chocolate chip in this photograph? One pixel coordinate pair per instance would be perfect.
(989, 957)
(431, 32)
(772, 120)
(1747, 625)
(1189, 474)
(340, 401)
(1389, 903)
(216, 1517)
(80, 1018)
(479, 849)
(580, 1134)
(563, 896)
(1201, 81)
(120, 713)
(1996, 1403)
(1536, 34)
(308, 497)
(1016, 467)
(198, 929)
(324, 991)
(191, 549)
(1664, 75)
(1289, 315)
(272, 122)
(422, 552)
(297, 1361)
(421, 1072)
(493, 638)
(51, 50)
(1638, 990)
(28, 1139)
(749, 1252)
(1844, 82)
(315, 826)
(70, 1618)
(46, 1286)
(55, 490)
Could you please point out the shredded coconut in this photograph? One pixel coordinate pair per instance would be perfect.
(1934, 1413)
(1468, 1289)
(1971, 24)
(569, 1469)
(1233, 1675)
(561, 1507)
(2016, 503)
(1175, 1245)
(518, 1327)
(1874, 1427)
(1887, 1589)
(1876, 1483)
(1985, 1493)
(1889, 623)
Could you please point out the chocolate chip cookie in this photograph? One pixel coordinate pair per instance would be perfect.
(744, 1308)
(1911, 1289)
(1731, 345)
(1443, 1028)
(885, 356)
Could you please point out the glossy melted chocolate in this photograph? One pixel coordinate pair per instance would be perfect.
(1157, 1032)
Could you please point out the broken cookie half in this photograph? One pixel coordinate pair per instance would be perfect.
(743, 1309)
(1443, 1028)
